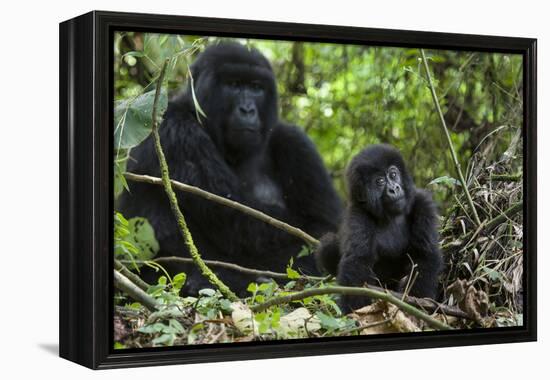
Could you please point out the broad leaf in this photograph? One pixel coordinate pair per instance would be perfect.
(445, 180)
(133, 118)
(143, 238)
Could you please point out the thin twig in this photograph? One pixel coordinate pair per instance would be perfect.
(449, 141)
(370, 325)
(123, 284)
(506, 177)
(235, 267)
(182, 224)
(229, 203)
(505, 215)
(352, 291)
(426, 304)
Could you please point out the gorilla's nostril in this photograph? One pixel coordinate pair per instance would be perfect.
(247, 110)
(394, 191)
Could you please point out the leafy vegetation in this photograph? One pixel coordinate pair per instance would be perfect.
(345, 97)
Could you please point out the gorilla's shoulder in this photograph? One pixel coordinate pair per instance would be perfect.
(180, 122)
(423, 204)
(179, 108)
(423, 197)
(287, 137)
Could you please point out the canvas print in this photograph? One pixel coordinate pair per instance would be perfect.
(270, 190)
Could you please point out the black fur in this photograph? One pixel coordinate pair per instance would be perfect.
(241, 151)
(385, 226)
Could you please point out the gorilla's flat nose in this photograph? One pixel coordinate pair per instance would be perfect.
(394, 190)
(247, 110)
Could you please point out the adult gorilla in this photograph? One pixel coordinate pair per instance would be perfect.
(241, 151)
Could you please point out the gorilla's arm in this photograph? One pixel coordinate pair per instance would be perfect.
(306, 184)
(358, 257)
(424, 245)
(327, 254)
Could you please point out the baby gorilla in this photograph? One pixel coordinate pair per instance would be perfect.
(388, 225)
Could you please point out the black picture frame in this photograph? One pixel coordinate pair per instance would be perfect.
(86, 180)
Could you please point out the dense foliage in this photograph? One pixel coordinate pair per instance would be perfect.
(348, 96)
(345, 97)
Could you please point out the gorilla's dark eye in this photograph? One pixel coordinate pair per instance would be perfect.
(256, 87)
(233, 83)
(393, 175)
(380, 181)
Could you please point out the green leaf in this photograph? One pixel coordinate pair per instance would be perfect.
(128, 246)
(178, 281)
(120, 181)
(445, 180)
(152, 329)
(292, 274)
(493, 274)
(134, 306)
(164, 339)
(163, 39)
(198, 108)
(305, 251)
(133, 118)
(178, 328)
(142, 236)
(267, 288)
(155, 290)
(225, 306)
(289, 285)
(207, 292)
(252, 287)
(328, 322)
(119, 218)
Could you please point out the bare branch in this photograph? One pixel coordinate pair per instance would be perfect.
(123, 284)
(310, 240)
(131, 276)
(235, 267)
(352, 291)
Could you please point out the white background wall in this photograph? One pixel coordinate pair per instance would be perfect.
(29, 186)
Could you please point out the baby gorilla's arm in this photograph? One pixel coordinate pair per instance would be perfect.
(358, 258)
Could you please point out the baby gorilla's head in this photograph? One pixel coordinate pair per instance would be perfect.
(379, 182)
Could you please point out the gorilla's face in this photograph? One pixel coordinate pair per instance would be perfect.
(235, 86)
(379, 182)
(245, 100)
(388, 187)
